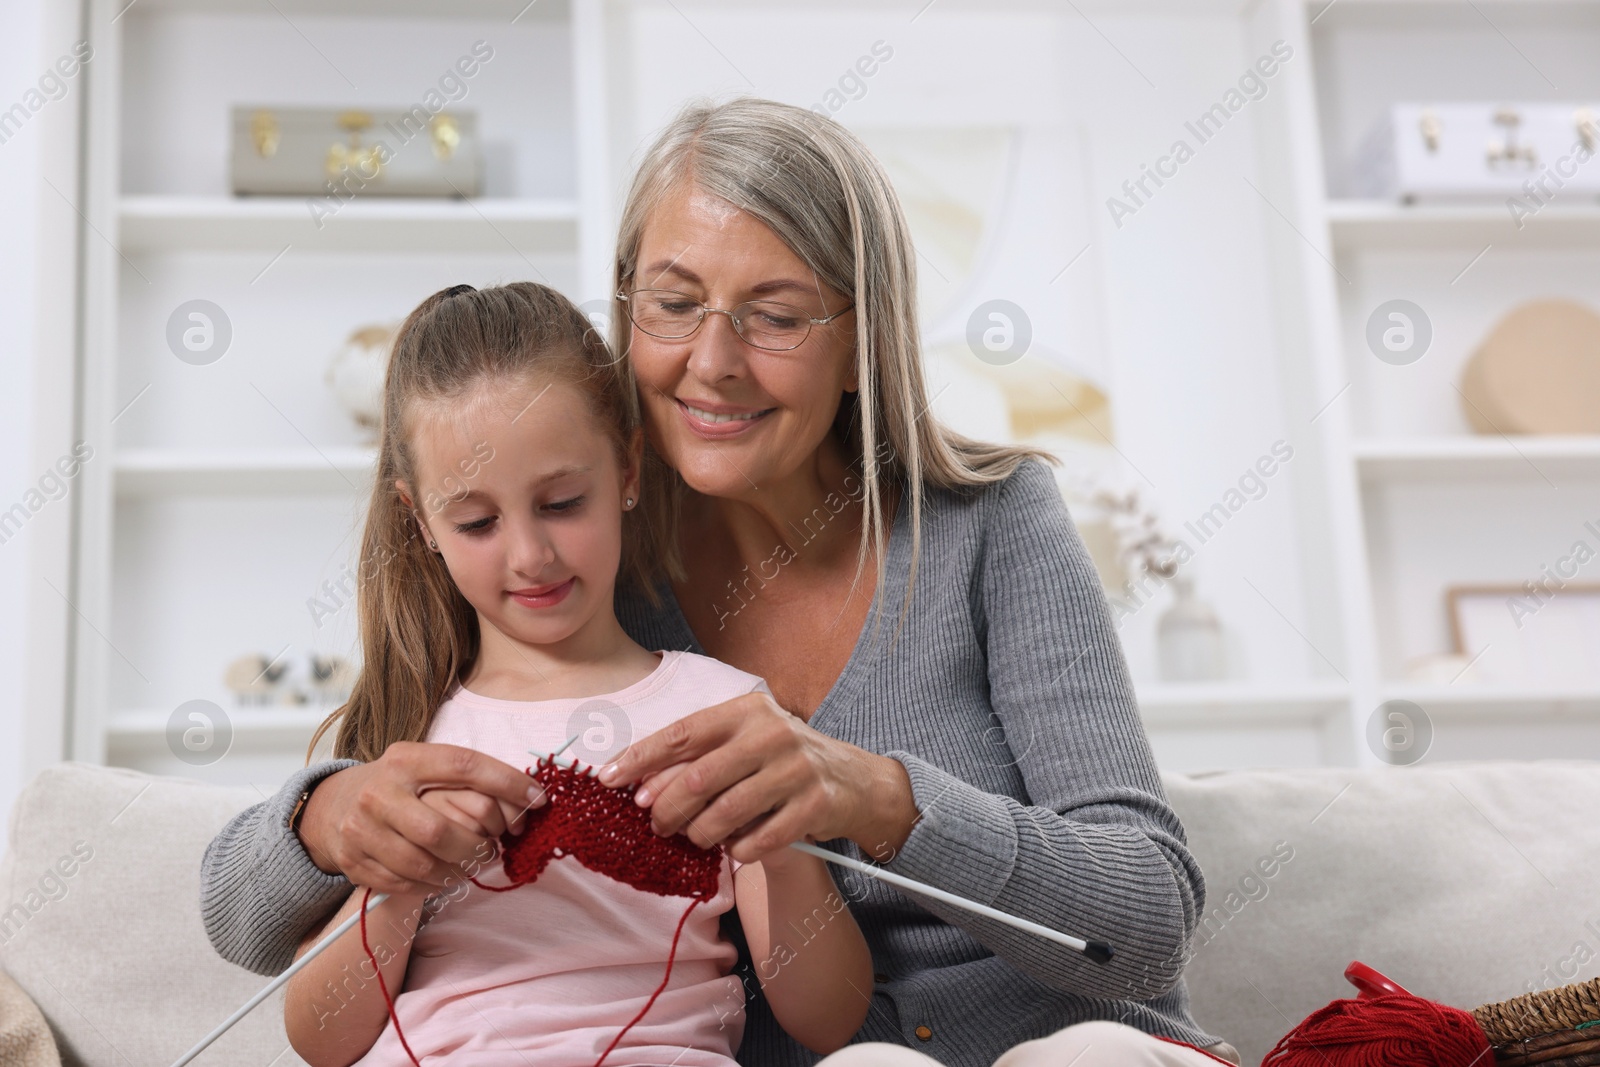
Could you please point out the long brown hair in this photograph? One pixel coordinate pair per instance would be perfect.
(419, 635)
(821, 190)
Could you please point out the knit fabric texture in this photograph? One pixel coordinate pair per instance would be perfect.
(603, 829)
(1006, 698)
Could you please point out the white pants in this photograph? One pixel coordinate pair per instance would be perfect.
(1101, 1043)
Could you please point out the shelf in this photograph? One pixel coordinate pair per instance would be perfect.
(278, 722)
(520, 10)
(1515, 458)
(1358, 224)
(1327, 15)
(1494, 701)
(165, 472)
(373, 224)
(1204, 704)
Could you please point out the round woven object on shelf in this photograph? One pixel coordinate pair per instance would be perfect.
(1538, 372)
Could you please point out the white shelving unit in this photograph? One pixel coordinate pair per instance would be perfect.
(1435, 505)
(236, 481)
(242, 483)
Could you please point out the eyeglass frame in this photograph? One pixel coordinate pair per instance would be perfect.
(707, 308)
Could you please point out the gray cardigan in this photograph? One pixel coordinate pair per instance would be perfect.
(1007, 699)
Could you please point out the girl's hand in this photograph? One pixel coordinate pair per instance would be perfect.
(473, 811)
(370, 823)
(748, 774)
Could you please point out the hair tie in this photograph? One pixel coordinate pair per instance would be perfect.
(456, 290)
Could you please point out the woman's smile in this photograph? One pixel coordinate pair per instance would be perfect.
(716, 421)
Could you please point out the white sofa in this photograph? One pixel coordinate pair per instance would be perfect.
(1466, 883)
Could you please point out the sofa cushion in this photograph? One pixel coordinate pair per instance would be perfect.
(1466, 883)
(101, 886)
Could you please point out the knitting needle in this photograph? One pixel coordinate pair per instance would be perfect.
(272, 986)
(1099, 951)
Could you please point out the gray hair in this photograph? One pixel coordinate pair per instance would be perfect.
(824, 194)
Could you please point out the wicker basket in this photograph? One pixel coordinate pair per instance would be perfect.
(1557, 1028)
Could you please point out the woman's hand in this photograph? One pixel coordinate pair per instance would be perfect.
(748, 774)
(371, 823)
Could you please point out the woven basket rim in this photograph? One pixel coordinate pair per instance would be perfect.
(1568, 1008)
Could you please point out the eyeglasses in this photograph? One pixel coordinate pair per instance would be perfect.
(766, 324)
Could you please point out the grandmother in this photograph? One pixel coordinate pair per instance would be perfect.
(949, 698)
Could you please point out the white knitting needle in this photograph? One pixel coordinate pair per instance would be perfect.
(1099, 951)
(273, 986)
(249, 1005)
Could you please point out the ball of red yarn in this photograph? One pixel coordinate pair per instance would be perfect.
(1394, 1030)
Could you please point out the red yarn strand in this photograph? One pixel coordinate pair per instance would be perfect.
(603, 829)
(672, 952)
(383, 986)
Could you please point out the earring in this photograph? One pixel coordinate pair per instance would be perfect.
(629, 503)
(433, 544)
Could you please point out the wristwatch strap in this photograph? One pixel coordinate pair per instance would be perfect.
(299, 806)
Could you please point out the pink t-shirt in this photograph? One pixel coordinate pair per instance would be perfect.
(549, 973)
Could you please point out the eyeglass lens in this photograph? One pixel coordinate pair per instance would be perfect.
(763, 323)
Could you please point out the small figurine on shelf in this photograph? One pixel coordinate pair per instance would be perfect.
(333, 677)
(253, 679)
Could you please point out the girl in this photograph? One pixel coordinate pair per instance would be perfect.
(511, 450)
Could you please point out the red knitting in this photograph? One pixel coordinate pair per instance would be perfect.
(603, 829)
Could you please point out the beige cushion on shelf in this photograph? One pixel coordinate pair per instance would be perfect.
(1466, 883)
(104, 865)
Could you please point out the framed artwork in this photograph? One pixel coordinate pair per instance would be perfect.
(1516, 637)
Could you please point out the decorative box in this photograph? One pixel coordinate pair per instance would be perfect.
(348, 152)
(1539, 150)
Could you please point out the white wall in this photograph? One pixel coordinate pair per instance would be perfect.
(20, 50)
(36, 358)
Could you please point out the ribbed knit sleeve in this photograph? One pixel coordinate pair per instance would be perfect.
(260, 893)
(1098, 853)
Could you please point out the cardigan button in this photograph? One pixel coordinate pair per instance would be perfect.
(924, 1033)
(880, 977)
